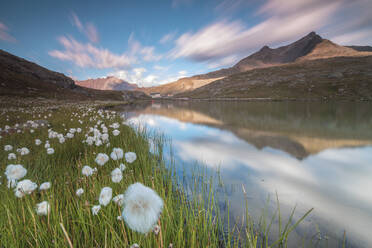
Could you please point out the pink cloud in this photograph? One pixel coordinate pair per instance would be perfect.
(283, 21)
(87, 55)
(4, 34)
(89, 30)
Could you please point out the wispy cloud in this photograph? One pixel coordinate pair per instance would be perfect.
(147, 53)
(87, 55)
(89, 30)
(168, 37)
(282, 21)
(4, 33)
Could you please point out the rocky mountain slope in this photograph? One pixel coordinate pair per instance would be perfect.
(107, 83)
(310, 47)
(331, 78)
(22, 78)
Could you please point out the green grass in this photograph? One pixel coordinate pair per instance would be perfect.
(190, 218)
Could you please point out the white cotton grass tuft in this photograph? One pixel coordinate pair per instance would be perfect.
(115, 132)
(24, 151)
(8, 148)
(42, 208)
(12, 156)
(95, 209)
(142, 208)
(130, 157)
(38, 142)
(135, 245)
(25, 187)
(119, 199)
(50, 151)
(101, 159)
(79, 192)
(105, 196)
(122, 167)
(15, 172)
(87, 170)
(45, 186)
(116, 175)
(117, 153)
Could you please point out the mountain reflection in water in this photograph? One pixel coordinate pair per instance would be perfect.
(312, 154)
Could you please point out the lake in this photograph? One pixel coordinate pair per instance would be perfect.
(311, 154)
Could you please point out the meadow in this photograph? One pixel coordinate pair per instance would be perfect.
(76, 175)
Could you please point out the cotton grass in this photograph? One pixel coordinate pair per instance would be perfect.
(102, 159)
(130, 157)
(25, 187)
(42, 208)
(117, 153)
(142, 208)
(116, 175)
(105, 196)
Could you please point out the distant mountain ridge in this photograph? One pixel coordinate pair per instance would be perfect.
(310, 47)
(22, 78)
(107, 83)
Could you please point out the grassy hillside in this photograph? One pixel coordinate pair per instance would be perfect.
(348, 78)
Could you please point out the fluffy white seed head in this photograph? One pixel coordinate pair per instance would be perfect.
(142, 207)
(8, 148)
(87, 170)
(130, 157)
(95, 209)
(79, 192)
(37, 142)
(122, 167)
(105, 196)
(115, 132)
(45, 186)
(11, 156)
(116, 175)
(50, 151)
(119, 199)
(15, 172)
(117, 153)
(101, 159)
(42, 208)
(25, 187)
(24, 151)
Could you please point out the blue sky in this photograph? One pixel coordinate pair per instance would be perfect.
(154, 42)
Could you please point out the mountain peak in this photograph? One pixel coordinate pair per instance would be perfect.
(265, 48)
(107, 83)
(312, 34)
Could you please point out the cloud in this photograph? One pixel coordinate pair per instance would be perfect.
(160, 68)
(87, 55)
(226, 61)
(4, 35)
(282, 21)
(136, 76)
(139, 76)
(147, 52)
(89, 30)
(167, 38)
(182, 73)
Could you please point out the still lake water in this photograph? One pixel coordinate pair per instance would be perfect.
(313, 155)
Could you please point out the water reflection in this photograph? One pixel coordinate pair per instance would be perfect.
(312, 155)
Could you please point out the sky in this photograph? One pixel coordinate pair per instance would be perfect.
(155, 42)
